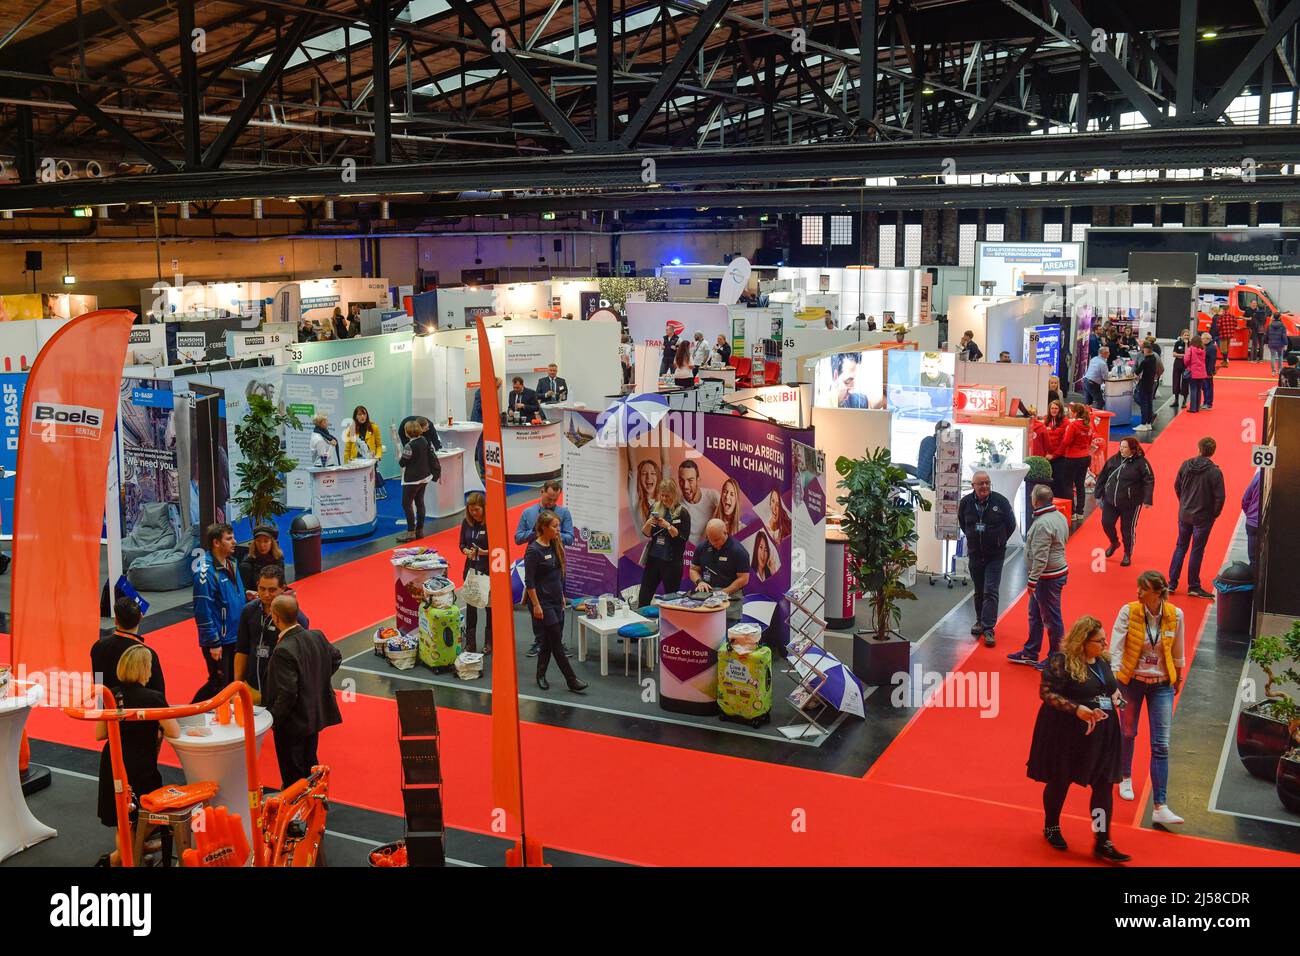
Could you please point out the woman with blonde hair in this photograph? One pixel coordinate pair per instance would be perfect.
(362, 438)
(668, 528)
(1077, 734)
(474, 545)
(544, 587)
(139, 739)
(728, 510)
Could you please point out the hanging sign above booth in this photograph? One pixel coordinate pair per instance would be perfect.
(983, 400)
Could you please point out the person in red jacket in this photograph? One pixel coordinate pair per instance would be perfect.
(1045, 439)
(1076, 450)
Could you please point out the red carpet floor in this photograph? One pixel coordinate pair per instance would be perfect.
(950, 790)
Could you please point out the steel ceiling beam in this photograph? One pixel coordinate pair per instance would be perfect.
(119, 132)
(216, 152)
(189, 86)
(1262, 6)
(1252, 61)
(830, 162)
(1000, 87)
(519, 73)
(1121, 77)
(380, 19)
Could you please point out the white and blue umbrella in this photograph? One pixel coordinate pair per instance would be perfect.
(758, 610)
(629, 417)
(517, 582)
(838, 685)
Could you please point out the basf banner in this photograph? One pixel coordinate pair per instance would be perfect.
(1007, 263)
(12, 386)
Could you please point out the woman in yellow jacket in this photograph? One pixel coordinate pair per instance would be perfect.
(1147, 656)
(364, 440)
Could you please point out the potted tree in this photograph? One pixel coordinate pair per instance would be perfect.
(1266, 728)
(1040, 473)
(261, 473)
(880, 525)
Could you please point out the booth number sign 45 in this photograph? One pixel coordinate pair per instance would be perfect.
(1263, 456)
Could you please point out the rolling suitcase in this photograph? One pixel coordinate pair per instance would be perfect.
(745, 684)
(440, 630)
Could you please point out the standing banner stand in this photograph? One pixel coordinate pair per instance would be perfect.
(947, 493)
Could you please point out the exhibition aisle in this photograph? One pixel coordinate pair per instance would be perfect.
(990, 762)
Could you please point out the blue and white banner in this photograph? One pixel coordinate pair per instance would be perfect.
(12, 386)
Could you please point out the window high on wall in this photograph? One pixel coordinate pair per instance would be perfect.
(966, 235)
(811, 229)
(1052, 231)
(911, 245)
(887, 241)
(1077, 230)
(994, 231)
(841, 230)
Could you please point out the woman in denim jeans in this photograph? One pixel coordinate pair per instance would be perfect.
(1146, 654)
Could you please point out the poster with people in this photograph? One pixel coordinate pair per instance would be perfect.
(850, 380)
(736, 470)
(920, 384)
(147, 465)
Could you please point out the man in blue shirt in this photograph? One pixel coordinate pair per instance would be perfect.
(527, 529)
(218, 600)
(1095, 375)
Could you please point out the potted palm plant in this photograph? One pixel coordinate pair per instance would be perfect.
(1266, 729)
(1040, 473)
(261, 473)
(880, 525)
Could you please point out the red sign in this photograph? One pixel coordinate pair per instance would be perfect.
(990, 400)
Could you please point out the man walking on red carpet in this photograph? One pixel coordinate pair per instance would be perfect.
(987, 521)
(1047, 570)
(1199, 487)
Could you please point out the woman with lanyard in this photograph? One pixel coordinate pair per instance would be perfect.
(474, 545)
(668, 528)
(1076, 736)
(1181, 381)
(544, 589)
(324, 446)
(420, 466)
(364, 440)
(1146, 652)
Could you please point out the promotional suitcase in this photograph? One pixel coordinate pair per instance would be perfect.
(745, 685)
(440, 630)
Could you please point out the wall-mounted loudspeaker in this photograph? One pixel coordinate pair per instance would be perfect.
(33, 260)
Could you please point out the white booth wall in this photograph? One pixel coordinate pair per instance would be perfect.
(587, 354)
(690, 283)
(523, 299)
(970, 312)
(569, 292)
(453, 302)
(1025, 382)
(869, 291)
(848, 432)
(1007, 322)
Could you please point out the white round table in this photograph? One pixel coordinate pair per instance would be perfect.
(464, 436)
(18, 828)
(1006, 481)
(220, 758)
(449, 490)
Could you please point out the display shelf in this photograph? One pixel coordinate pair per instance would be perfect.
(807, 599)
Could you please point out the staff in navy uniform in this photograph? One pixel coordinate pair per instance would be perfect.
(544, 588)
(720, 563)
(257, 631)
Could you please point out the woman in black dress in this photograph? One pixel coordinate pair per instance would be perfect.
(474, 545)
(1077, 735)
(544, 585)
(1181, 382)
(140, 739)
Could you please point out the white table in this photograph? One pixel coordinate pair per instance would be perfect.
(220, 758)
(1007, 482)
(464, 436)
(343, 498)
(19, 829)
(449, 490)
(726, 375)
(603, 627)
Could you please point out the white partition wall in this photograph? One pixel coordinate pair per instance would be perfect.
(802, 341)
(524, 300)
(587, 354)
(872, 292)
(1025, 382)
(569, 292)
(438, 383)
(851, 432)
(970, 312)
(1007, 322)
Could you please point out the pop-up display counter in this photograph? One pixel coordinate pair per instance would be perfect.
(531, 452)
(1119, 399)
(343, 499)
(464, 436)
(689, 638)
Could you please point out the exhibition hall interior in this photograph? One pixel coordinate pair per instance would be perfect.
(684, 433)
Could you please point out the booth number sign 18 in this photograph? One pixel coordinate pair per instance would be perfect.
(1263, 456)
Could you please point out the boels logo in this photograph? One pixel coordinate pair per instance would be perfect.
(50, 421)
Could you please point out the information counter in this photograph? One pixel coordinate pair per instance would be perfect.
(343, 499)
(1119, 399)
(689, 639)
(531, 452)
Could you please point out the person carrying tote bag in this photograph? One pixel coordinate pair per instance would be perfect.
(475, 592)
(420, 466)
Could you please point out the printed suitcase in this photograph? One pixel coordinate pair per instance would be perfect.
(440, 630)
(745, 685)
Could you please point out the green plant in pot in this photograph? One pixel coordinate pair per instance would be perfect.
(261, 473)
(1040, 473)
(1268, 732)
(880, 525)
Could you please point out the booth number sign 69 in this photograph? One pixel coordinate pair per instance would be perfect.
(1263, 456)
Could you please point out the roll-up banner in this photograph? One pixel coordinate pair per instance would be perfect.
(307, 396)
(591, 562)
(69, 411)
(12, 387)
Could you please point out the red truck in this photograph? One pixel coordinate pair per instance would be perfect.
(1237, 297)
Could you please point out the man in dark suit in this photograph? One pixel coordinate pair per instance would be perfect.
(670, 347)
(523, 400)
(552, 388)
(298, 692)
(107, 651)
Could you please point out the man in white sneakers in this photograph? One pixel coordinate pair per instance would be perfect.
(1146, 654)
(1047, 570)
